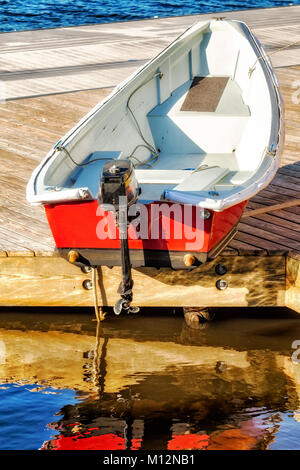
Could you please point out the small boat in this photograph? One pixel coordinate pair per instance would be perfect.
(160, 172)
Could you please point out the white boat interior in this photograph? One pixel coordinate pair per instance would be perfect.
(202, 124)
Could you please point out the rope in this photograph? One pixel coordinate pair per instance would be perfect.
(99, 362)
(60, 147)
(251, 69)
(275, 207)
(100, 315)
(146, 144)
(205, 167)
(143, 163)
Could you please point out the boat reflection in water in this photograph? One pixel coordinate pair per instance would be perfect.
(152, 383)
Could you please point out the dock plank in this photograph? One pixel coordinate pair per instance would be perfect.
(283, 215)
(274, 220)
(100, 56)
(271, 231)
(260, 242)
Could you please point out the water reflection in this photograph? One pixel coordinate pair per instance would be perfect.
(152, 383)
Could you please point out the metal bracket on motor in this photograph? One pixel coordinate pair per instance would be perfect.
(126, 285)
(119, 190)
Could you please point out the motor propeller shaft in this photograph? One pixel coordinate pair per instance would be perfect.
(118, 191)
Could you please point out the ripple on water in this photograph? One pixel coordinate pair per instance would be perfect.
(148, 383)
(37, 14)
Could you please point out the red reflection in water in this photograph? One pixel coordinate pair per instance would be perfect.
(188, 442)
(246, 437)
(84, 442)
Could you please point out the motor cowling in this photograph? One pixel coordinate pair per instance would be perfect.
(118, 179)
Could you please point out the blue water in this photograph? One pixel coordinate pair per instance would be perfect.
(62, 387)
(20, 15)
(25, 414)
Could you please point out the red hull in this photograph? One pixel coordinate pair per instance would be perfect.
(77, 225)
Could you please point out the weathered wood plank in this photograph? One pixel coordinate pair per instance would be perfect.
(106, 54)
(295, 172)
(273, 196)
(18, 223)
(273, 208)
(274, 220)
(11, 248)
(259, 242)
(265, 202)
(269, 236)
(252, 281)
(22, 239)
(246, 248)
(285, 234)
(286, 182)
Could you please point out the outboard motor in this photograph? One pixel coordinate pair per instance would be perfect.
(119, 188)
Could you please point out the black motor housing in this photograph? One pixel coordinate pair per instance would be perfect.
(118, 179)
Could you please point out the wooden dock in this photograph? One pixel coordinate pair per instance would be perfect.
(49, 79)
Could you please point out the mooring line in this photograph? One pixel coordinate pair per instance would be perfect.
(251, 69)
(275, 207)
(100, 315)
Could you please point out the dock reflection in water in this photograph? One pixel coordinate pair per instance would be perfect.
(148, 382)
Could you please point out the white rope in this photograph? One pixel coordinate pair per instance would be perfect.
(251, 69)
(146, 144)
